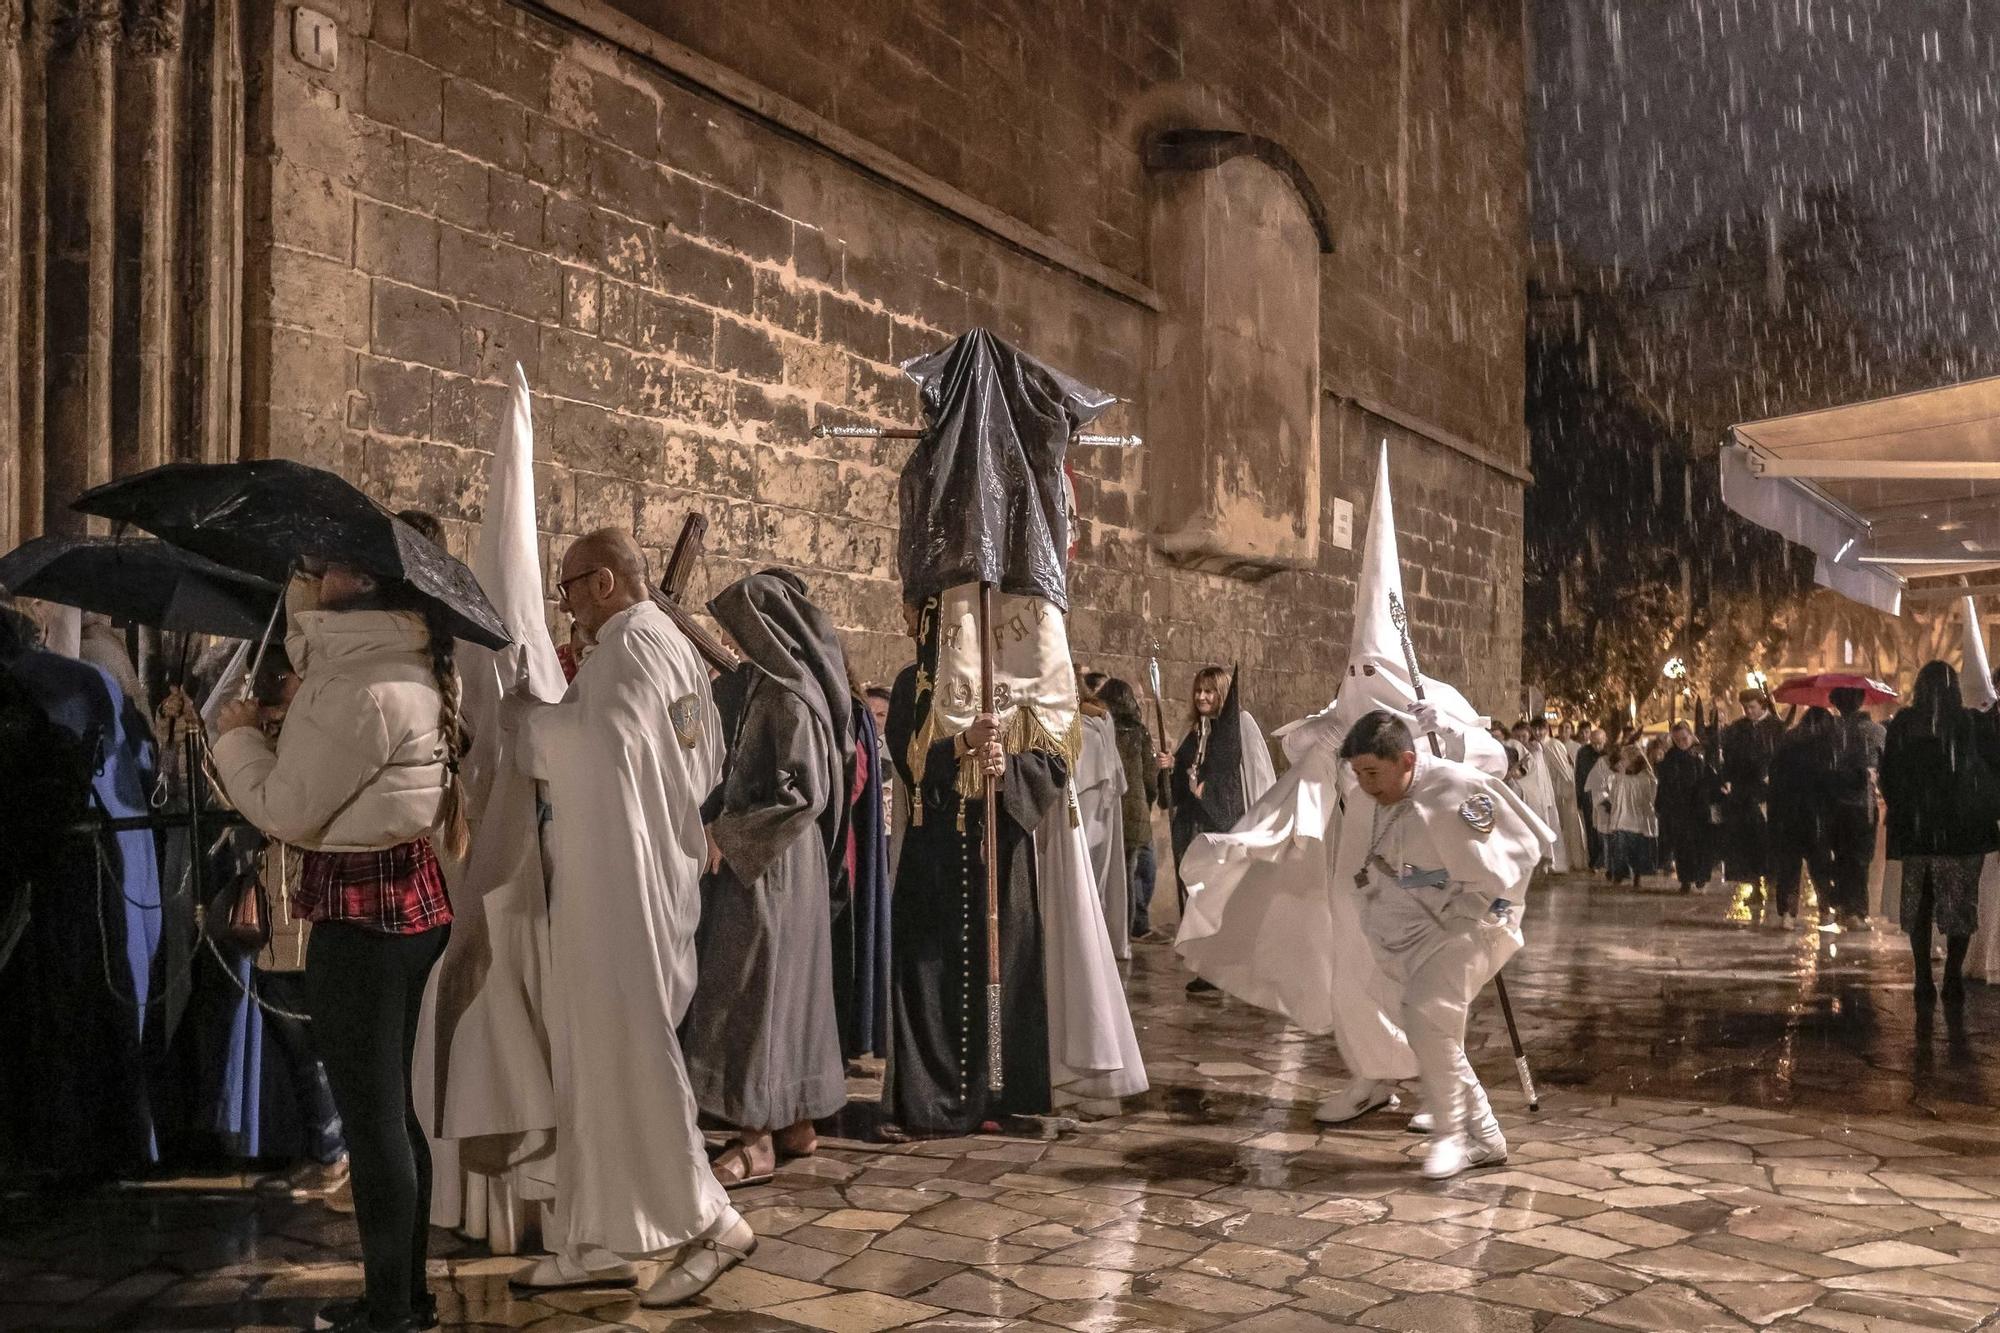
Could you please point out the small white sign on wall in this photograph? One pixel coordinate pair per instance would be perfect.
(1343, 525)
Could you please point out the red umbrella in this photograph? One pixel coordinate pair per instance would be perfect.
(1818, 690)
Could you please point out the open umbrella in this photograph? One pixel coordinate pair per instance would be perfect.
(264, 516)
(143, 581)
(1817, 690)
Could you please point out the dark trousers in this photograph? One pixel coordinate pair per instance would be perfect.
(1142, 874)
(1851, 848)
(1629, 854)
(1593, 841)
(1793, 850)
(364, 991)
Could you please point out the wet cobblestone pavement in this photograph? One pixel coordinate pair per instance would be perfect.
(1740, 1128)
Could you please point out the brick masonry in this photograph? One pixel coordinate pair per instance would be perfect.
(690, 290)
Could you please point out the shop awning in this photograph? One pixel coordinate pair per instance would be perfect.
(1882, 492)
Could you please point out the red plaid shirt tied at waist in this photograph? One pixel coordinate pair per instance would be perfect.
(396, 891)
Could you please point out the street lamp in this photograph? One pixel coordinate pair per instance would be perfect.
(1675, 671)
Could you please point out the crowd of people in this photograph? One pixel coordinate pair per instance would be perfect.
(1820, 795)
(749, 876)
(706, 845)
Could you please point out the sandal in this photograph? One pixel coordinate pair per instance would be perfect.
(786, 1153)
(742, 1178)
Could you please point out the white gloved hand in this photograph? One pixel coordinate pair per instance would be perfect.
(1426, 715)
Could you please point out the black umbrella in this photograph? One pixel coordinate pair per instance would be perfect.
(266, 515)
(140, 580)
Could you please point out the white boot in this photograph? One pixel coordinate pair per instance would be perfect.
(1357, 1099)
(558, 1273)
(1451, 1154)
(1422, 1123)
(696, 1265)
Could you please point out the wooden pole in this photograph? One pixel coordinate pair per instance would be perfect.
(995, 1074)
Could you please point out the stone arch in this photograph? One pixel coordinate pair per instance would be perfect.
(1236, 238)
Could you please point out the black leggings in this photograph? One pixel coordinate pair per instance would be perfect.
(364, 990)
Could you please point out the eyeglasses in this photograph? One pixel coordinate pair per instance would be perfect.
(562, 588)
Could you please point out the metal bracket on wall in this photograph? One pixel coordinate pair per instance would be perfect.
(315, 39)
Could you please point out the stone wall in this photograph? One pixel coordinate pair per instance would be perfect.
(704, 228)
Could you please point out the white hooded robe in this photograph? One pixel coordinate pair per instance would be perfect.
(481, 1075)
(1265, 920)
(628, 756)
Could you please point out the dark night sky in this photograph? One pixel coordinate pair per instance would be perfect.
(1653, 118)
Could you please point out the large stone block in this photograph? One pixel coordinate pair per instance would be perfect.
(403, 93)
(413, 325)
(395, 243)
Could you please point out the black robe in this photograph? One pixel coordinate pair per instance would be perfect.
(1747, 748)
(938, 1014)
(1687, 838)
(1222, 800)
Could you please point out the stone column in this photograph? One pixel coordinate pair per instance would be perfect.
(12, 146)
(147, 290)
(80, 124)
(210, 392)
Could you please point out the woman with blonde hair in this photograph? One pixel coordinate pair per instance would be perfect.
(363, 772)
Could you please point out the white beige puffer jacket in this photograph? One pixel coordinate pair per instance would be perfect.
(360, 763)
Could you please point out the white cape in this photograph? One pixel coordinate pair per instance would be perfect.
(1259, 773)
(482, 1068)
(1093, 1051)
(1266, 919)
(1100, 799)
(628, 754)
(1982, 957)
(1292, 944)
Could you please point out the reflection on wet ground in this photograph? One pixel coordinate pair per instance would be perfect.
(1740, 1128)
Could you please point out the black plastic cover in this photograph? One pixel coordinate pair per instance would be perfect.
(982, 495)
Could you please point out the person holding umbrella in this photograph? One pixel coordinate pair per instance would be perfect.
(1943, 798)
(363, 773)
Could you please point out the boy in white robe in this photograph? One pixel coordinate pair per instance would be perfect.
(1264, 920)
(1440, 868)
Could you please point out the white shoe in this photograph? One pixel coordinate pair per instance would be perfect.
(1357, 1099)
(557, 1273)
(1422, 1123)
(1454, 1153)
(697, 1264)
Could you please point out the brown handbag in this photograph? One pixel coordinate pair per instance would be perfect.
(248, 924)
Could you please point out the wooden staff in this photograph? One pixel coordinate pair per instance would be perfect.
(680, 569)
(995, 1075)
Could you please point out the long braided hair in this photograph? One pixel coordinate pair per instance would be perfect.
(457, 834)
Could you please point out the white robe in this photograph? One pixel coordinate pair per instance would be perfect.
(1440, 943)
(1982, 957)
(1568, 823)
(628, 754)
(1538, 789)
(1093, 1050)
(482, 1068)
(1100, 798)
(1264, 921)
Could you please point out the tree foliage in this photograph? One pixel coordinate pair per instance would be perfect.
(1634, 380)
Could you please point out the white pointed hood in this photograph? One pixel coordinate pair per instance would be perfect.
(1377, 674)
(489, 1072)
(1975, 682)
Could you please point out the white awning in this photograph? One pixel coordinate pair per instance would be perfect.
(1882, 491)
